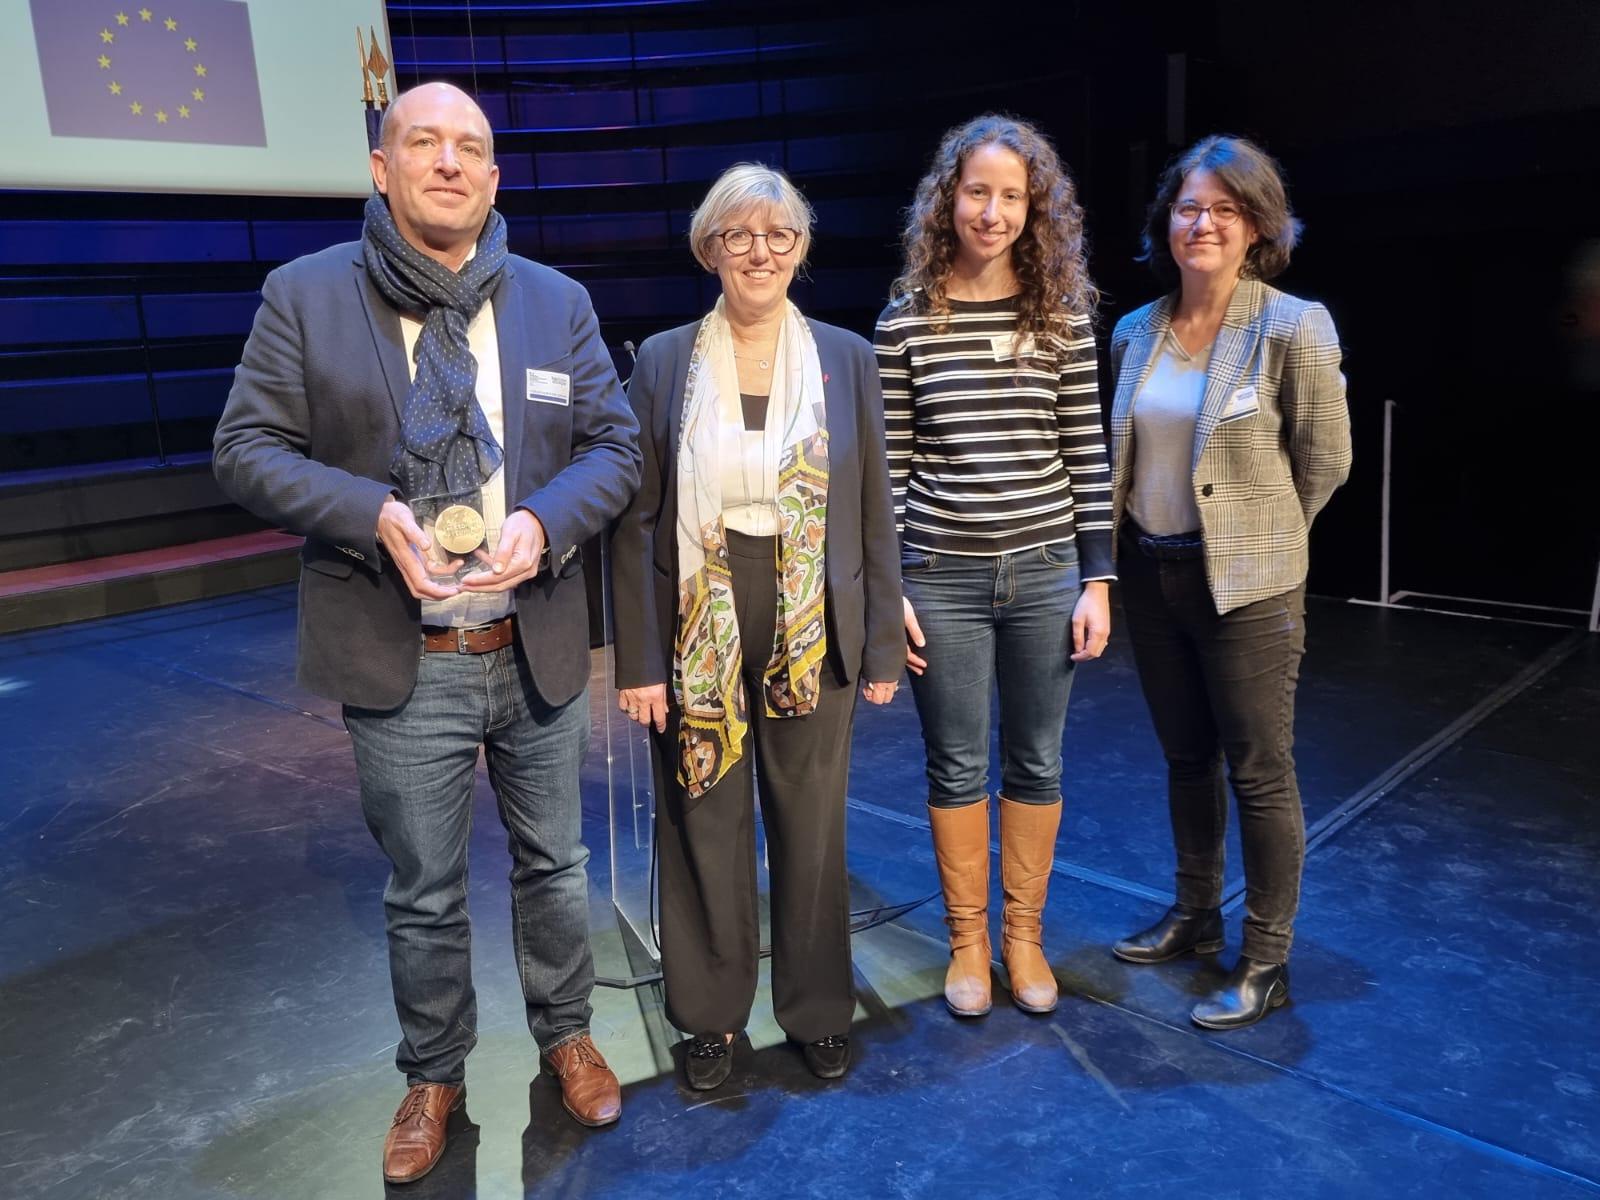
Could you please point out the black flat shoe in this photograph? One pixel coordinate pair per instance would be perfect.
(1253, 990)
(829, 1058)
(707, 1061)
(1182, 930)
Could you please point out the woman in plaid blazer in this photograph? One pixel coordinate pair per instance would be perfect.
(1229, 432)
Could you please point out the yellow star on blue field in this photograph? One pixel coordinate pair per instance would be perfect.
(161, 117)
(172, 26)
(200, 70)
(122, 18)
(190, 45)
(116, 88)
(145, 14)
(183, 110)
(198, 94)
(105, 63)
(136, 108)
(107, 36)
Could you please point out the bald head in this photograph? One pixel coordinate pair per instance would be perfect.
(435, 166)
(396, 114)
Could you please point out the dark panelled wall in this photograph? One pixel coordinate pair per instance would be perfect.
(1443, 164)
(1444, 158)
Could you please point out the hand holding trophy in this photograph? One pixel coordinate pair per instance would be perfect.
(460, 541)
(412, 551)
(518, 550)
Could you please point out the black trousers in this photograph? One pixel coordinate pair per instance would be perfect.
(710, 927)
(1223, 687)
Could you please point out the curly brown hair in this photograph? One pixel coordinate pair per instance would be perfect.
(1049, 257)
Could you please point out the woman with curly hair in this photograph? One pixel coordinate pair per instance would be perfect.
(1002, 500)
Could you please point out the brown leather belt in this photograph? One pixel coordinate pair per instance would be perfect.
(478, 640)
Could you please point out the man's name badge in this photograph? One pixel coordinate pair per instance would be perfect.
(549, 387)
(459, 529)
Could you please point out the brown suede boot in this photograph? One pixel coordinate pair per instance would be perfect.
(961, 844)
(1027, 845)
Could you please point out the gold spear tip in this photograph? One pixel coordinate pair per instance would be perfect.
(366, 81)
(376, 63)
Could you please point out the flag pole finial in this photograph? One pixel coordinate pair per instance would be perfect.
(379, 66)
(366, 77)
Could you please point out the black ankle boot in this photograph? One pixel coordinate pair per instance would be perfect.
(707, 1061)
(1183, 929)
(1253, 990)
(828, 1057)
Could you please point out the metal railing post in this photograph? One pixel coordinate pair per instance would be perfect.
(1384, 594)
(1594, 608)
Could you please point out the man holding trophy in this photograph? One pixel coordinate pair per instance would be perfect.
(440, 420)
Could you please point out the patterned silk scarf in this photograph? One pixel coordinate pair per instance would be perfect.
(446, 446)
(708, 658)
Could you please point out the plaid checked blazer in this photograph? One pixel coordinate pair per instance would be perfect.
(1261, 471)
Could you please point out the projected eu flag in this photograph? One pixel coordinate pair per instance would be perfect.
(155, 70)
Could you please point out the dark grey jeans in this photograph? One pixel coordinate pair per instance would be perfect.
(417, 764)
(1223, 687)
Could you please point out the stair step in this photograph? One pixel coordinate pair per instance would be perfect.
(40, 597)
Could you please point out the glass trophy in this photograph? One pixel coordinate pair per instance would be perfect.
(461, 541)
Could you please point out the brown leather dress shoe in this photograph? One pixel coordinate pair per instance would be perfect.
(416, 1138)
(589, 1091)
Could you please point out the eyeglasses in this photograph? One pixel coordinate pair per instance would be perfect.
(741, 241)
(1223, 213)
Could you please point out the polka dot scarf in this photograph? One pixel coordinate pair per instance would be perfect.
(446, 446)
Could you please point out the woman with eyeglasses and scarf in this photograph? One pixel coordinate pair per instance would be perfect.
(756, 587)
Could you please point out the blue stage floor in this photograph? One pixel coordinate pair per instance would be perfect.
(194, 995)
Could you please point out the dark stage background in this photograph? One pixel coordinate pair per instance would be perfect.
(1441, 156)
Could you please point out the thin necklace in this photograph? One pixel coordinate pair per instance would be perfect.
(764, 363)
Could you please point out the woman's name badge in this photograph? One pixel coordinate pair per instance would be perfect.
(549, 387)
(1005, 345)
(1243, 403)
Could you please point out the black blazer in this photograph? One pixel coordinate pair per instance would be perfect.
(313, 420)
(866, 621)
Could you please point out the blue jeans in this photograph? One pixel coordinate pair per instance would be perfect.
(1003, 619)
(416, 764)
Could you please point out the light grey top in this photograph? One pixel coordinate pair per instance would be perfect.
(1161, 499)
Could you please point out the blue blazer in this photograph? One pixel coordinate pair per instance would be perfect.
(312, 423)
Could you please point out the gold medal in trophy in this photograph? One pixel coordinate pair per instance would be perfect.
(459, 529)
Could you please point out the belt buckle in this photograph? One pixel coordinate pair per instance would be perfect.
(461, 640)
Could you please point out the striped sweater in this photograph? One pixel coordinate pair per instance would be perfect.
(988, 455)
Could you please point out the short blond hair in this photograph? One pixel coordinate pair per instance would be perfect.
(739, 189)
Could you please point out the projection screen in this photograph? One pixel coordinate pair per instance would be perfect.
(260, 97)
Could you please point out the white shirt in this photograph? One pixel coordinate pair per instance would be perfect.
(750, 475)
(474, 608)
